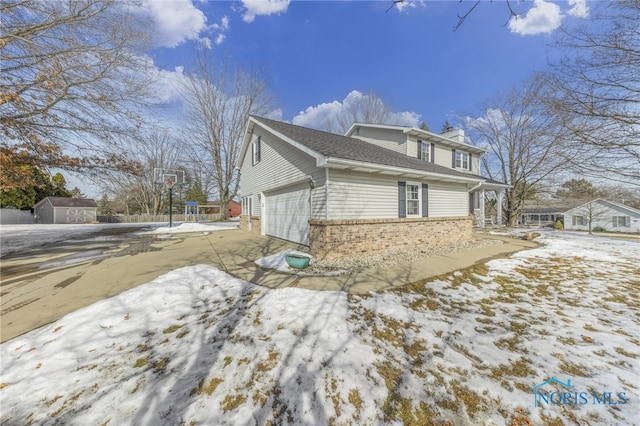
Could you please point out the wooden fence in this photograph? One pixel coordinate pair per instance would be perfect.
(159, 218)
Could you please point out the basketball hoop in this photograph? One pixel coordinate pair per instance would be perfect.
(169, 183)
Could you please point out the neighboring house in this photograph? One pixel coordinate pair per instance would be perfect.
(234, 208)
(65, 210)
(379, 187)
(542, 216)
(609, 215)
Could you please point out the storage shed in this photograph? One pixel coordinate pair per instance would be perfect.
(65, 210)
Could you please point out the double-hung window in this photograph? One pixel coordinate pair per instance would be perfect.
(424, 151)
(413, 199)
(621, 221)
(462, 160)
(256, 152)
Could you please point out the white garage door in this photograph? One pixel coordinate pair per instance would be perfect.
(287, 213)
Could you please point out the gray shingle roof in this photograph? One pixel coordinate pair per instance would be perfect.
(72, 202)
(347, 148)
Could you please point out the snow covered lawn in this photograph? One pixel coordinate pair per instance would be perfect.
(197, 346)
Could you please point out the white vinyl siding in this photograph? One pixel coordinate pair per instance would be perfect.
(448, 199)
(362, 196)
(443, 155)
(280, 165)
(394, 140)
(610, 216)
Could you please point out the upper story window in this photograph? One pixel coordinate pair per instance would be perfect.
(424, 151)
(619, 221)
(462, 160)
(255, 152)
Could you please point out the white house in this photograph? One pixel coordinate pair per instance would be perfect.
(65, 210)
(379, 187)
(599, 213)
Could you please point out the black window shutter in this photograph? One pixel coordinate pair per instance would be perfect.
(470, 168)
(433, 153)
(425, 200)
(258, 150)
(402, 199)
(453, 158)
(420, 150)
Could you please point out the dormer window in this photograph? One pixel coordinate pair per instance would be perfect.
(425, 151)
(461, 160)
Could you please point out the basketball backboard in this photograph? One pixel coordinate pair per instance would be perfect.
(168, 177)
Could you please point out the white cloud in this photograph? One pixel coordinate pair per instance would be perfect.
(167, 85)
(176, 21)
(579, 9)
(220, 38)
(543, 17)
(255, 8)
(408, 4)
(332, 115)
(317, 116)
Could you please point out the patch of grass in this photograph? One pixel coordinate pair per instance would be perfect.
(472, 401)
(464, 351)
(160, 365)
(231, 402)
(518, 368)
(270, 362)
(209, 388)
(509, 343)
(623, 352)
(589, 327)
(227, 361)
(355, 400)
(574, 369)
(141, 362)
(587, 339)
(391, 376)
(171, 329)
(567, 340)
(183, 333)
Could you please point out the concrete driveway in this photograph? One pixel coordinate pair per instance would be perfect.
(32, 297)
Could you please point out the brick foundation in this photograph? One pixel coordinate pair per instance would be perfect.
(256, 227)
(333, 239)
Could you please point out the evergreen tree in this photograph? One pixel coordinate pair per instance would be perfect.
(446, 127)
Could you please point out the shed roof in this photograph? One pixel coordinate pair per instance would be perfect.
(69, 202)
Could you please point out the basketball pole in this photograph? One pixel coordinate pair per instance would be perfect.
(170, 206)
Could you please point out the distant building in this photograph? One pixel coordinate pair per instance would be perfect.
(65, 210)
(604, 214)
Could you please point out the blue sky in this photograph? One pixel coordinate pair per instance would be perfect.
(315, 53)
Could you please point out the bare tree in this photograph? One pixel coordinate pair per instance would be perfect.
(598, 92)
(524, 142)
(219, 97)
(359, 108)
(157, 149)
(592, 212)
(71, 74)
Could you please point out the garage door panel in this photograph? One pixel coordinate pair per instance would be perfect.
(287, 214)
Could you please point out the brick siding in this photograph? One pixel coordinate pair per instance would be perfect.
(333, 239)
(255, 222)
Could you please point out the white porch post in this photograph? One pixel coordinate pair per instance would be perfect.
(483, 213)
(499, 206)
